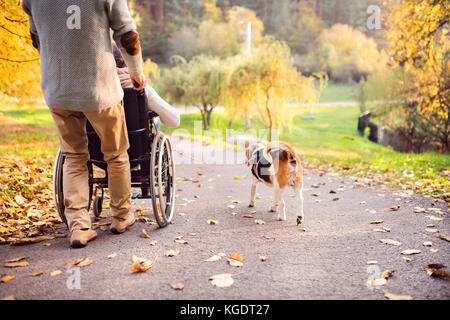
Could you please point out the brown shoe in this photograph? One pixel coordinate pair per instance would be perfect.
(80, 238)
(120, 225)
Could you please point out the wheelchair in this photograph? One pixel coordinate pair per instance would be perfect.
(151, 163)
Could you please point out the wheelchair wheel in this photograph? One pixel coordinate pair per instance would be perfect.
(58, 185)
(162, 180)
(97, 207)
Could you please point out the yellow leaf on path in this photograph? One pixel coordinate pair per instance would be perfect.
(237, 178)
(444, 237)
(83, 262)
(30, 240)
(410, 251)
(55, 273)
(16, 259)
(17, 264)
(37, 274)
(144, 234)
(7, 278)
(392, 296)
(141, 264)
(12, 297)
(211, 221)
(112, 255)
(237, 256)
(391, 242)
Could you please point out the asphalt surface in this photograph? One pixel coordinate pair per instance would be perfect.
(325, 260)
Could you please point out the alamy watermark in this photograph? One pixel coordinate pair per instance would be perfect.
(373, 21)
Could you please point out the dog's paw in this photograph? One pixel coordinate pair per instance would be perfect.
(273, 208)
(251, 204)
(299, 220)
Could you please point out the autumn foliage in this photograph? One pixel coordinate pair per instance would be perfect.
(19, 61)
(420, 45)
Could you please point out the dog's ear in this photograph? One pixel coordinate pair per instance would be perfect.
(247, 152)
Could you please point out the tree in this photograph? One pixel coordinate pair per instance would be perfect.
(347, 54)
(264, 84)
(199, 82)
(420, 46)
(19, 60)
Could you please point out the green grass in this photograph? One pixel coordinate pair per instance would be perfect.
(337, 92)
(27, 131)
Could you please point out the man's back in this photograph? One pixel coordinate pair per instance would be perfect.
(78, 67)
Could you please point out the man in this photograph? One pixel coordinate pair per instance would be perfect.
(79, 82)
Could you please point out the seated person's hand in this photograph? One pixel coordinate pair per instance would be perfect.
(124, 76)
(140, 81)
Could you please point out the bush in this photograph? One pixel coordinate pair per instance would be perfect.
(346, 54)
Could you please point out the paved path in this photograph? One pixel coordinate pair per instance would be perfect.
(327, 261)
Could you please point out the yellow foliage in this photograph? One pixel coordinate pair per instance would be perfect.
(19, 61)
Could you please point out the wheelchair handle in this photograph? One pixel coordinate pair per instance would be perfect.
(136, 85)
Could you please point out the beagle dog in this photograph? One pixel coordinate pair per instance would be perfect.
(276, 165)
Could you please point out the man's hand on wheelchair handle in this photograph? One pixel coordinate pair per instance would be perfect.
(138, 81)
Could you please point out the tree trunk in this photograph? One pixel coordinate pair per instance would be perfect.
(269, 115)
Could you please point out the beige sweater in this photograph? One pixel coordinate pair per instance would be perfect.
(77, 65)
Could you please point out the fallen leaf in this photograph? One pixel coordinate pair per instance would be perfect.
(391, 242)
(37, 274)
(335, 199)
(444, 237)
(372, 262)
(376, 221)
(211, 221)
(386, 274)
(214, 258)
(172, 253)
(12, 297)
(237, 178)
(435, 218)
(30, 240)
(428, 244)
(248, 216)
(177, 286)
(141, 264)
(222, 280)
(17, 264)
(181, 241)
(144, 234)
(82, 262)
(433, 272)
(392, 296)
(7, 278)
(419, 210)
(237, 256)
(112, 255)
(395, 208)
(55, 273)
(16, 259)
(434, 250)
(263, 258)
(235, 263)
(410, 252)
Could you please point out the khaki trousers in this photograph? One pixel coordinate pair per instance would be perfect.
(110, 126)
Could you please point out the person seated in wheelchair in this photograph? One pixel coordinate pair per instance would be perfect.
(168, 114)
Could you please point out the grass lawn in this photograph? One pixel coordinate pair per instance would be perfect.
(338, 92)
(27, 132)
